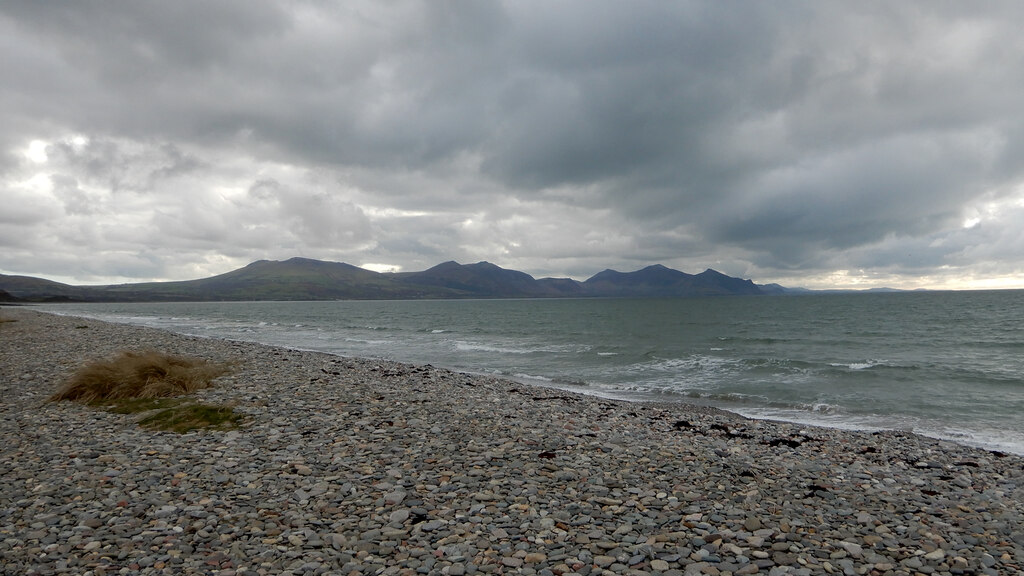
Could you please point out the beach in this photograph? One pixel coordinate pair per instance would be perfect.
(354, 466)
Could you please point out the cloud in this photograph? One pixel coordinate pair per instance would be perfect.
(790, 141)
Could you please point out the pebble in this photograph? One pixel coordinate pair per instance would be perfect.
(358, 467)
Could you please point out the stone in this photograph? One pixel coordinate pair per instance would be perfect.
(394, 498)
(853, 549)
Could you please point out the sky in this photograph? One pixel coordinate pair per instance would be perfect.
(818, 144)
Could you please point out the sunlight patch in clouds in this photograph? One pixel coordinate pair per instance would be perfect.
(387, 212)
(382, 268)
(36, 152)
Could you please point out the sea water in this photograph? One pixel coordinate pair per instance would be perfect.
(944, 364)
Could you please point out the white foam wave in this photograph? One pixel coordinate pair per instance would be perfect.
(462, 346)
(532, 378)
(694, 363)
(858, 365)
(989, 439)
(838, 419)
(724, 397)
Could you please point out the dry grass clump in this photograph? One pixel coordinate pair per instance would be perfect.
(147, 374)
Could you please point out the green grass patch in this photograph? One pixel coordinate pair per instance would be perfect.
(174, 414)
(187, 417)
(136, 405)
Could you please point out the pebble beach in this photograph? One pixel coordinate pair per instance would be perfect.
(358, 466)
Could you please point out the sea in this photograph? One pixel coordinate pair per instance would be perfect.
(949, 365)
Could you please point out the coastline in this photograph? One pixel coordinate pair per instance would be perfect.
(367, 466)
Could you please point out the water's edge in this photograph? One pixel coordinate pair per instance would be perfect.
(282, 338)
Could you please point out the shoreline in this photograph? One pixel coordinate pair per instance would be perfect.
(357, 466)
(985, 439)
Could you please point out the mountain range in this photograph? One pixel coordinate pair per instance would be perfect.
(306, 279)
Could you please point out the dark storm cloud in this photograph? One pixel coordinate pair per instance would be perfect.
(785, 140)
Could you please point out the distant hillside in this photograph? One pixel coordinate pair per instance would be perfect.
(7, 298)
(660, 281)
(486, 280)
(654, 280)
(305, 279)
(38, 289)
(777, 290)
(294, 279)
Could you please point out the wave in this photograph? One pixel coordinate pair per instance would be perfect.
(556, 381)
(734, 399)
(363, 341)
(463, 346)
(695, 362)
(725, 398)
(531, 377)
(778, 365)
(1001, 440)
(757, 339)
(715, 369)
(988, 439)
(467, 346)
(865, 365)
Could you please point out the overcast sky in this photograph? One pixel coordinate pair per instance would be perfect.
(812, 143)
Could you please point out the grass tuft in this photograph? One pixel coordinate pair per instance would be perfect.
(136, 405)
(174, 414)
(187, 417)
(151, 384)
(147, 374)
